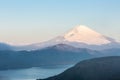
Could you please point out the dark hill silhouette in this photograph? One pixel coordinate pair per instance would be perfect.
(105, 68)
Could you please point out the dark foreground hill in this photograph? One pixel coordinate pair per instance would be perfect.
(106, 68)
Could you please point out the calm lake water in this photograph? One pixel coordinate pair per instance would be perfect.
(31, 73)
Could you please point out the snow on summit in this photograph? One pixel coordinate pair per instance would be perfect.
(80, 37)
(86, 35)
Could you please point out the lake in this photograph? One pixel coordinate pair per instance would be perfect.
(32, 73)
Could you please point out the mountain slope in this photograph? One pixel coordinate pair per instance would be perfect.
(4, 46)
(106, 68)
(80, 37)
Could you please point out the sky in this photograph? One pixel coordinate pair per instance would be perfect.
(34, 21)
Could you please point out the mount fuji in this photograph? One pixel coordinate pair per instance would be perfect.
(80, 37)
(78, 44)
(86, 35)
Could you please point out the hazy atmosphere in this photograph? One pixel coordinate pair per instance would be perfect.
(59, 39)
(33, 21)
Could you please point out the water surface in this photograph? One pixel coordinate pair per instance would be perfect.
(31, 73)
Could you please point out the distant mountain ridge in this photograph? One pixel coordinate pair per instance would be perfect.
(4, 46)
(60, 54)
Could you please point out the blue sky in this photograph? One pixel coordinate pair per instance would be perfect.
(31, 21)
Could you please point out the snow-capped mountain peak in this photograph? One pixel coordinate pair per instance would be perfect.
(79, 37)
(86, 35)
